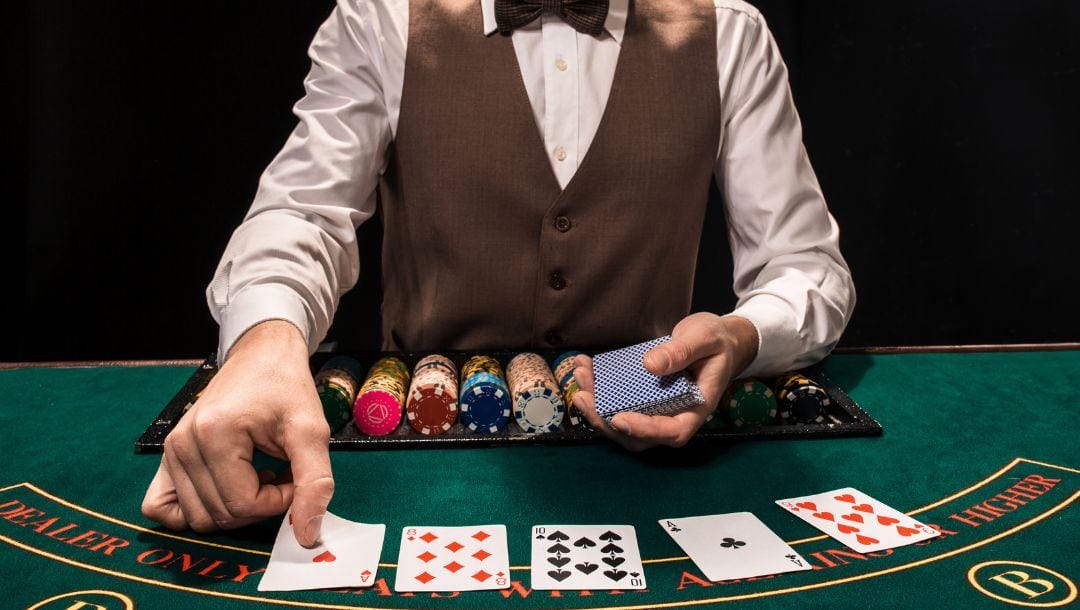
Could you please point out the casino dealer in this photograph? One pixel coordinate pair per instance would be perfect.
(532, 197)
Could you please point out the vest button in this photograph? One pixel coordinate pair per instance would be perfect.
(557, 281)
(553, 337)
(562, 223)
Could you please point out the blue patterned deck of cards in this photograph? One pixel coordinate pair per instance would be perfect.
(622, 384)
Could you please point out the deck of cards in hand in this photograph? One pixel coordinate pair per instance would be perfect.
(623, 384)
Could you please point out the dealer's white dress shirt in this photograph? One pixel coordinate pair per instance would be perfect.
(295, 254)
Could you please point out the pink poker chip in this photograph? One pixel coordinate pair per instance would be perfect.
(377, 412)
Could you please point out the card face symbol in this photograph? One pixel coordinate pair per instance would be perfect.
(731, 543)
(857, 518)
(846, 529)
(558, 562)
(559, 575)
(825, 515)
(615, 575)
(558, 548)
(584, 543)
(850, 499)
(587, 568)
(611, 548)
(609, 535)
(324, 556)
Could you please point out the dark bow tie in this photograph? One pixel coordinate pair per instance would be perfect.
(585, 16)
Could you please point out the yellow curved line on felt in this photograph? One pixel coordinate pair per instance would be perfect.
(696, 602)
(140, 528)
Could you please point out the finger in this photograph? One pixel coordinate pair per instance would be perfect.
(308, 449)
(242, 495)
(585, 403)
(583, 372)
(678, 353)
(190, 459)
(673, 431)
(196, 515)
(161, 503)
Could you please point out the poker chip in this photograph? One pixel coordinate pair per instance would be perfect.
(432, 407)
(538, 403)
(563, 366)
(337, 383)
(485, 397)
(750, 403)
(380, 403)
(801, 399)
(714, 421)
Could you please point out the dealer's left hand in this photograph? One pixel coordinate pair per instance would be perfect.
(711, 348)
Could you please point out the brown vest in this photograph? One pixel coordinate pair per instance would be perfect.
(482, 249)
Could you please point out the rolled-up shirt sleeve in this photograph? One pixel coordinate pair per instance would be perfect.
(790, 279)
(295, 253)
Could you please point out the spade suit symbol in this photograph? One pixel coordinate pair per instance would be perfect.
(558, 548)
(584, 543)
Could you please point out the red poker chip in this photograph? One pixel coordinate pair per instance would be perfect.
(431, 410)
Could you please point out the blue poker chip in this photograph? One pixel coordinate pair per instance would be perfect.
(485, 408)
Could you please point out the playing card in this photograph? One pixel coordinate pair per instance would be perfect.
(453, 558)
(857, 520)
(731, 546)
(347, 556)
(567, 557)
(623, 384)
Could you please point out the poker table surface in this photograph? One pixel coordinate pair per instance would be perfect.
(982, 445)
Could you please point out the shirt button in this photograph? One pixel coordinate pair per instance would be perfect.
(560, 64)
(557, 281)
(562, 223)
(553, 337)
(560, 153)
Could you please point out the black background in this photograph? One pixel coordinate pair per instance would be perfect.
(944, 133)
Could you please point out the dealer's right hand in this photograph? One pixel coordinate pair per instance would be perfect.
(264, 398)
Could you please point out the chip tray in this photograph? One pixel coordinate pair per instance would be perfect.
(844, 418)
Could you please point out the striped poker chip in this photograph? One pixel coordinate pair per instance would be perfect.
(485, 407)
(538, 410)
(751, 403)
(431, 410)
(805, 404)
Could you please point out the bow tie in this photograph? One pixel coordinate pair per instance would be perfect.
(585, 16)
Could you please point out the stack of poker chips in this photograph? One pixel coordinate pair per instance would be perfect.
(563, 366)
(485, 398)
(538, 405)
(623, 384)
(381, 401)
(749, 402)
(337, 382)
(432, 408)
(801, 400)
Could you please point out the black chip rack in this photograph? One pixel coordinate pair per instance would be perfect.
(845, 418)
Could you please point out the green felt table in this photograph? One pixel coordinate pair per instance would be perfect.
(960, 429)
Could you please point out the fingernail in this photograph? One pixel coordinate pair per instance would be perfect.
(312, 529)
(660, 360)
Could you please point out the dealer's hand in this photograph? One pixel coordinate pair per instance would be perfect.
(711, 348)
(262, 398)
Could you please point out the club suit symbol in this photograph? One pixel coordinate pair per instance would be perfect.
(731, 543)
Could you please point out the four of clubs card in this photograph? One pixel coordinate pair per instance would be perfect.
(568, 557)
(468, 558)
(733, 546)
(857, 520)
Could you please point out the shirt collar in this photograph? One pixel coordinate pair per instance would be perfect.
(615, 24)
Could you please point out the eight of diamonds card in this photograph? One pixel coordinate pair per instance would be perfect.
(453, 558)
(736, 545)
(347, 556)
(857, 520)
(566, 557)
